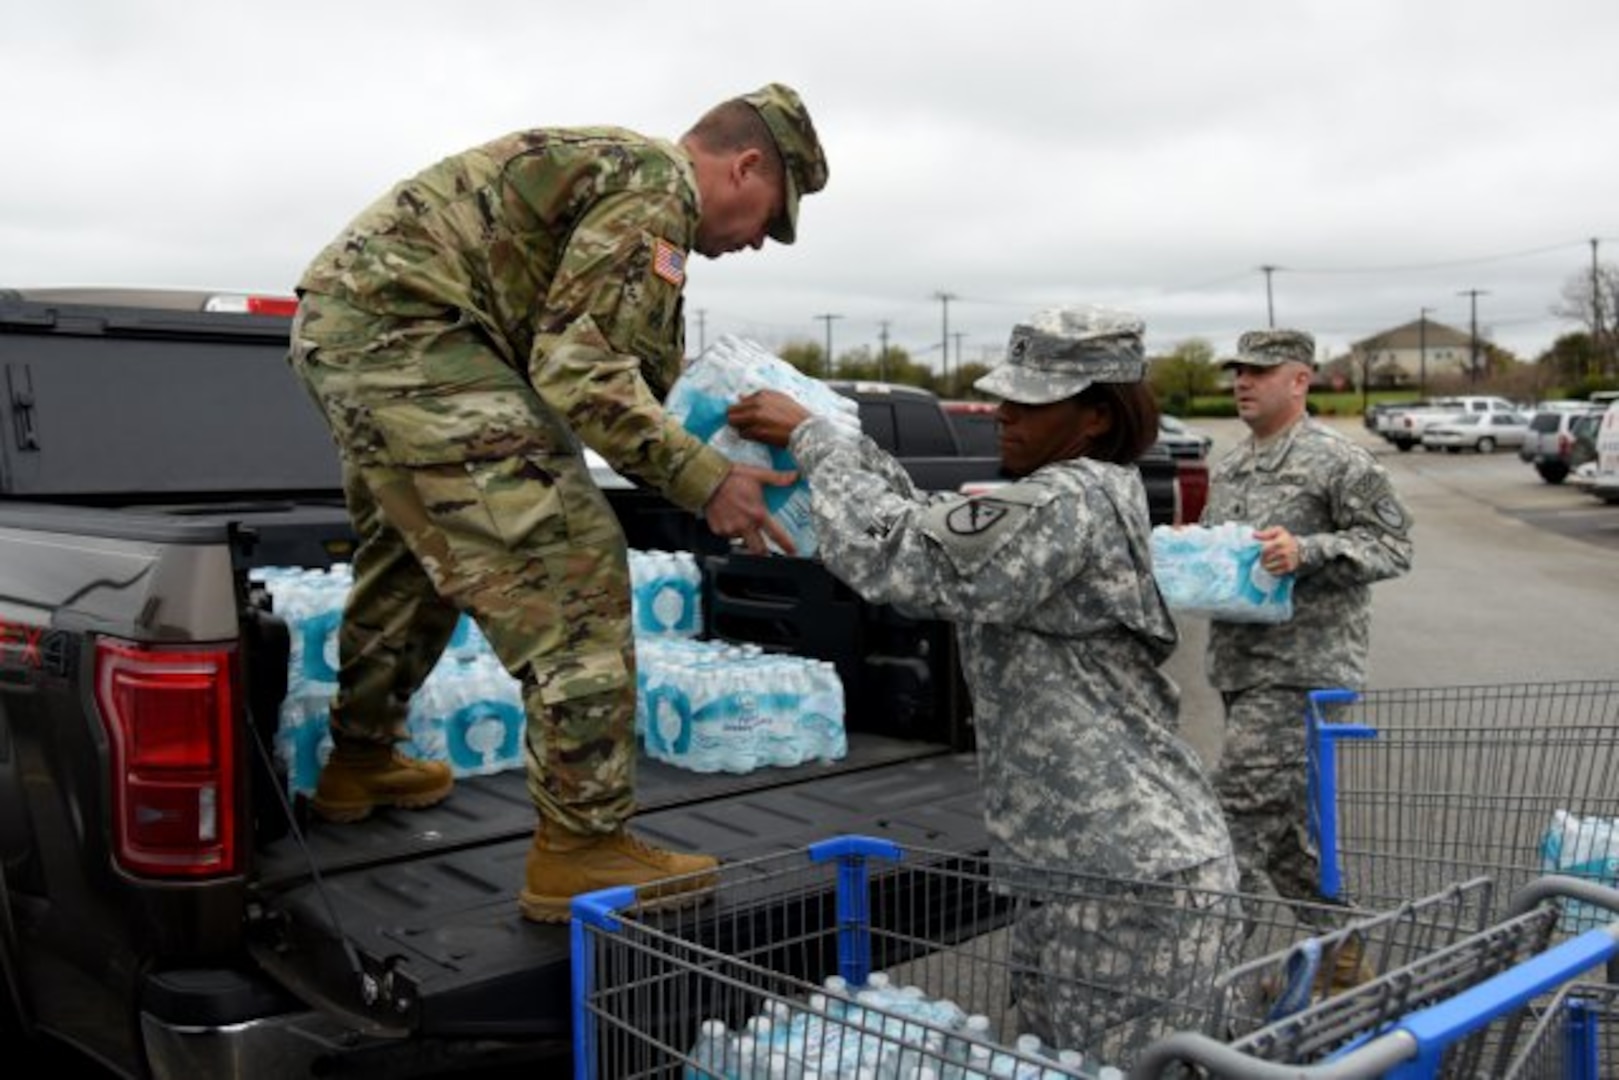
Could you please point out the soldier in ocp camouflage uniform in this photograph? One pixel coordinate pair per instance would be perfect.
(1326, 511)
(1062, 633)
(466, 337)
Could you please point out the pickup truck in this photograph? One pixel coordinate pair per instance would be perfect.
(167, 908)
(1404, 427)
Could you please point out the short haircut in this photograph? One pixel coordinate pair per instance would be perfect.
(1134, 410)
(734, 125)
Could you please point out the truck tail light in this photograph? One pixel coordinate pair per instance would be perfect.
(1192, 487)
(170, 715)
(1564, 444)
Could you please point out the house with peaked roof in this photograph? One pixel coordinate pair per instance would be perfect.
(1412, 354)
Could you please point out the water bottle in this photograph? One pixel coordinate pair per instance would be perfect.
(303, 738)
(711, 1057)
(484, 729)
(429, 707)
(972, 1034)
(821, 712)
(669, 705)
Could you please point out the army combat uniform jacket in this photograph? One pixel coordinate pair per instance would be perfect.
(563, 251)
(1352, 530)
(1062, 631)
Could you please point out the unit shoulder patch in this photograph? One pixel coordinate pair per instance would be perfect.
(973, 530)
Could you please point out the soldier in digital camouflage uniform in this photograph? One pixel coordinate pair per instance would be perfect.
(466, 337)
(1062, 633)
(1326, 511)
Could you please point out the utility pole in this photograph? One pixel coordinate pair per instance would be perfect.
(1472, 363)
(958, 335)
(1598, 331)
(944, 338)
(828, 320)
(702, 331)
(882, 353)
(1270, 307)
(1422, 352)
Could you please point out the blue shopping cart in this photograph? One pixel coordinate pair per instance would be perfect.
(1472, 1007)
(1413, 788)
(761, 975)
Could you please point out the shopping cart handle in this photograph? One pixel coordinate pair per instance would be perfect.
(852, 844)
(1564, 887)
(597, 908)
(1194, 1048)
(1439, 1026)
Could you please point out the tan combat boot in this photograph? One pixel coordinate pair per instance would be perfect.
(1350, 968)
(360, 776)
(562, 865)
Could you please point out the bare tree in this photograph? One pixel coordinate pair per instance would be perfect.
(1592, 298)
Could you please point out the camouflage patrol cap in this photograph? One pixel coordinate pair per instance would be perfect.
(789, 123)
(1060, 351)
(1267, 348)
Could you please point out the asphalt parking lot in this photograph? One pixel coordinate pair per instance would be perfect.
(1514, 580)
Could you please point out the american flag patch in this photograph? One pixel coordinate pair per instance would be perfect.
(669, 263)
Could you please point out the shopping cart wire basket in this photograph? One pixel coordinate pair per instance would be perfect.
(775, 951)
(1410, 789)
(1471, 1008)
(1575, 1038)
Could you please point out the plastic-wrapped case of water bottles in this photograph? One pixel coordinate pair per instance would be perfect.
(730, 369)
(1215, 571)
(879, 1031)
(711, 706)
(1586, 847)
(468, 713)
(718, 707)
(666, 593)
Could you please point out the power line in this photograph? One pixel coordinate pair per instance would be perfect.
(1439, 265)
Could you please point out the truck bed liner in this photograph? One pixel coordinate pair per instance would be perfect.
(448, 922)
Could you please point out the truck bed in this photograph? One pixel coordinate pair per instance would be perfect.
(431, 895)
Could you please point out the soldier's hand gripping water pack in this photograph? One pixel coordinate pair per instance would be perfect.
(729, 370)
(1215, 571)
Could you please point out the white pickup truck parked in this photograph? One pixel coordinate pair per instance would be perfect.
(1405, 428)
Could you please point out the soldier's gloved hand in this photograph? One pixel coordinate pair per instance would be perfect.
(766, 416)
(737, 508)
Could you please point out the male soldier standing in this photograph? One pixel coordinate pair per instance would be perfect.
(1325, 510)
(463, 337)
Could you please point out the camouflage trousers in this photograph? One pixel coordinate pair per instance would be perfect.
(1111, 971)
(1262, 787)
(468, 495)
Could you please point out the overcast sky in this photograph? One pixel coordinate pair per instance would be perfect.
(1384, 156)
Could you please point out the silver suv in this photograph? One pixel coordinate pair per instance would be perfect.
(1553, 445)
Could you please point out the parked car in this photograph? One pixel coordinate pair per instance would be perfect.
(1553, 445)
(1481, 431)
(1408, 426)
(1182, 441)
